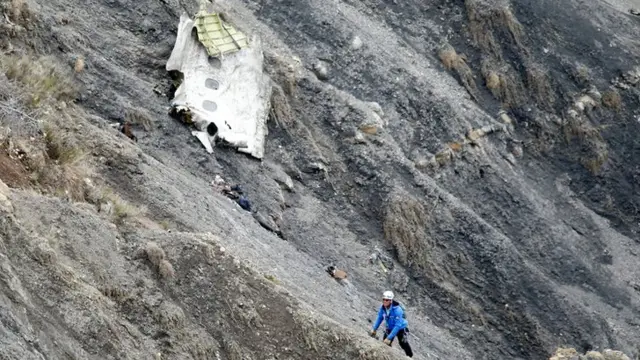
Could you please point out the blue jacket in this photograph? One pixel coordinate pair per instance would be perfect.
(394, 319)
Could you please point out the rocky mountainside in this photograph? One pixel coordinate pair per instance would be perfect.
(484, 151)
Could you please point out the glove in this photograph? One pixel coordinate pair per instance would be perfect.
(372, 333)
(387, 341)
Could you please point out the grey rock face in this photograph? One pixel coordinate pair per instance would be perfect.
(503, 244)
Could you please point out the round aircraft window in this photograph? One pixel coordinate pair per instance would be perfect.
(215, 62)
(209, 105)
(212, 84)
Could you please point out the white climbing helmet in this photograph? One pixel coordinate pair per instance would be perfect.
(387, 295)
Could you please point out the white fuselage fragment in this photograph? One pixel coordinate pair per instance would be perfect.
(232, 91)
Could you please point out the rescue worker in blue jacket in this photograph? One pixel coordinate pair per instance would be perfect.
(396, 324)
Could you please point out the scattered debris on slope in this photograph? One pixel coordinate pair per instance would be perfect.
(510, 263)
(75, 286)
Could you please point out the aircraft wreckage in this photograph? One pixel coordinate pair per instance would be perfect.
(223, 91)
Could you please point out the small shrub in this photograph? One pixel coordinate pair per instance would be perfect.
(492, 80)
(165, 269)
(488, 17)
(539, 85)
(404, 228)
(442, 157)
(52, 154)
(164, 224)
(44, 254)
(272, 278)
(612, 99)
(115, 293)
(170, 316)
(590, 138)
(453, 61)
(78, 67)
(61, 146)
(595, 162)
(18, 12)
(369, 129)
(139, 117)
(455, 146)
(283, 74)
(582, 74)
(281, 111)
(232, 349)
(449, 57)
(504, 83)
(155, 254)
(42, 79)
(158, 259)
(571, 353)
(121, 209)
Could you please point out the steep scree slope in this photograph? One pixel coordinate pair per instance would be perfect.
(511, 243)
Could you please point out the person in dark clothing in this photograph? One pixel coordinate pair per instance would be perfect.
(396, 323)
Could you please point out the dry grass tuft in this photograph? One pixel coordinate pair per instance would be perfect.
(115, 293)
(369, 129)
(120, 209)
(404, 228)
(564, 353)
(44, 145)
(78, 67)
(594, 162)
(282, 114)
(487, 19)
(170, 316)
(492, 80)
(444, 156)
(42, 79)
(504, 83)
(612, 99)
(609, 354)
(539, 85)
(283, 73)
(281, 110)
(449, 57)
(454, 61)
(154, 252)
(582, 74)
(157, 258)
(232, 348)
(455, 146)
(571, 353)
(272, 278)
(284, 88)
(18, 12)
(164, 224)
(43, 253)
(62, 146)
(165, 269)
(590, 138)
(582, 130)
(139, 116)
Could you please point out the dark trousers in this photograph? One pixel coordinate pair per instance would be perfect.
(403, 339)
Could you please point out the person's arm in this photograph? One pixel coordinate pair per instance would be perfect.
(379, 319)
(400, 322)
